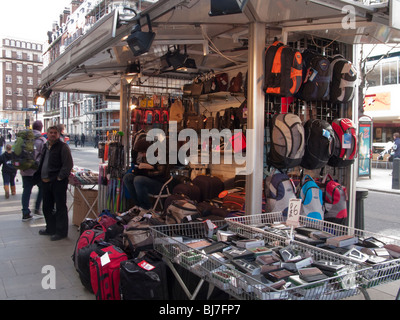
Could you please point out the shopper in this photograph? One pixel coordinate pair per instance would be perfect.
(76, 140)
(396, 147)
(8, 171)
(96, 141)
(54, 169)
(83, 139)
(145, 179)
(61, 129)
(27, 175)
(2, 141)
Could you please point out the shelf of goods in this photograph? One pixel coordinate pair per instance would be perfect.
(242, 278)
(378, 254)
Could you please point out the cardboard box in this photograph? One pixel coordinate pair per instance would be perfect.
(80, 208)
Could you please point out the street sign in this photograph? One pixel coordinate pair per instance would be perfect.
(30, 109)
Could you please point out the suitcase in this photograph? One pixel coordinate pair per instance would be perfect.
(210, 186)
(188, 189)
(105, 272)
(144, 278)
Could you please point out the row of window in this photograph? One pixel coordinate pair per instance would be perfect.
(384, 73)
(19, 92)
(20, 67)
(20, 104)
(23, 44)
(20, 55)
(20, 80)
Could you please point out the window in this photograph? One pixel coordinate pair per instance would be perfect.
(20, 92)
(9, 91)
(8, 54)
(389, 72)
(8, 66)
(29, 56)
(30, 92)
(30, 68)
(29, 81)
(9, 104)
(19, 55)
(19, 67)
(8, 78)
(20, 105)
(19, 80)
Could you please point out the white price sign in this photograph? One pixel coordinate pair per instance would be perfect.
(293, 212)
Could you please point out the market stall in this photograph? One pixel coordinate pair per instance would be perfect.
(215, 44)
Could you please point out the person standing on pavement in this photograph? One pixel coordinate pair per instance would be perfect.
(8, 171)
(83, 140)
(2, 141)
(27, 175)
(396, 146)
(61, 129)
(54, 169)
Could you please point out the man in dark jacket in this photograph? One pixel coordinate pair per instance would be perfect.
(54, 169)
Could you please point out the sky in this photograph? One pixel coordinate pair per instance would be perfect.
(30, 19)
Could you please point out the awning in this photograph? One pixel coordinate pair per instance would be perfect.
(95, 62)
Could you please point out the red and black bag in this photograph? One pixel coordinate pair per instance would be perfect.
(335, 200)
(210, 186)
(345, 150)
(87, 238)
(234, 201)
(283, 70)
(105, 272)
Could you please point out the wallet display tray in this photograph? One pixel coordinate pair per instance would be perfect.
(379, 269)
(171, 242)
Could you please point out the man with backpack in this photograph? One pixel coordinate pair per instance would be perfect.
(27, 175)
(54, 170)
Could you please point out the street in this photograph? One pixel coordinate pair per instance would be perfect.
(382, 214)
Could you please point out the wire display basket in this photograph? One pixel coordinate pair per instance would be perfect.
(378, 272)
(173, 242)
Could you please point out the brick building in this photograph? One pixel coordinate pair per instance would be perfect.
(20, 69)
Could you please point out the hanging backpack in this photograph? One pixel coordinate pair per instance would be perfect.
(345, 147)
(319, 144)
(311, 199)
(149, 117)
(343, 79)
(283, 70)
(335, 198)
(24, 151)
(234, 201)
(164, 116)
(287, 141)
(316, 77)
(279, 189)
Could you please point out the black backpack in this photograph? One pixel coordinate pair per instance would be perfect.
(319, 144)
(316, 77)
(343, 79)
(283, 70)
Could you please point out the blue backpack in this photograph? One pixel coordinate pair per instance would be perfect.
(312, 203)
(279, 189)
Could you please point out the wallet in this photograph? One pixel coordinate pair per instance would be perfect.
(277, 275)
(311, 274)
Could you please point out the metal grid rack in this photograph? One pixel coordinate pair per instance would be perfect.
(377, 274)
(168, 240)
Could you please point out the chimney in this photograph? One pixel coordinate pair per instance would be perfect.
(75, 5)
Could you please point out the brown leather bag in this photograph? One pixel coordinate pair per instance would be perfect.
(236, 83)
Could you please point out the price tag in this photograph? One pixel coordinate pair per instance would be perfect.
(104, 259)
(293, 212)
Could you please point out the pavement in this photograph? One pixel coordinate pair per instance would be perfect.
(28, 261)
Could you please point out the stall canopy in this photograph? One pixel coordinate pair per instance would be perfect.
(95, 62)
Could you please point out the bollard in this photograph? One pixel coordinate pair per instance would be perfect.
(396, 174)
(361, 194)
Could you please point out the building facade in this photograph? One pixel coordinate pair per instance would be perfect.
(20, 69)
(382, 96)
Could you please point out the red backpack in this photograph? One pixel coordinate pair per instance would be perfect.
(283, 70)
(345, 149)
(335, 199)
